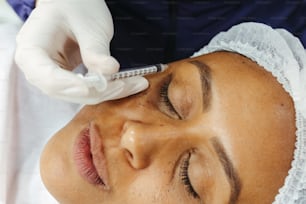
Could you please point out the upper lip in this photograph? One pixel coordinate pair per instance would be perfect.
(89, 156)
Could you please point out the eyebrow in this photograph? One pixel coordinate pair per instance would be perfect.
(205, 76)
(230, 171)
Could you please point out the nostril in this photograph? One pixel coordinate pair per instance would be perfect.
(134, 144)
(128, 155)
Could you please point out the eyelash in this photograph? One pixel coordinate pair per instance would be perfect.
(165, 99)
(185, 178)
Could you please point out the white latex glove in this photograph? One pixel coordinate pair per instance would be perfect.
(57, 37)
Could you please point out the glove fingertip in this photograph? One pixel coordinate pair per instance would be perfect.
(134, 85)
(137, 81)
(142, 84)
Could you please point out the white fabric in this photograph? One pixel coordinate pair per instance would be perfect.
(283, 55)
(62, 34)
(27, 121)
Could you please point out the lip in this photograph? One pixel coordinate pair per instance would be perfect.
(89, 157)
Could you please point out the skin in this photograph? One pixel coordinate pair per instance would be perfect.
(145, 144)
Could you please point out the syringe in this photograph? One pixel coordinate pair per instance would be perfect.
(94, 80)
(140, 71)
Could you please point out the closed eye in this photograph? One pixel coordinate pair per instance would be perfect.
(185, 178)
(166, 101)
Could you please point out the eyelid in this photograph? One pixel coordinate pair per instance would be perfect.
(184, 176)
(165, 99)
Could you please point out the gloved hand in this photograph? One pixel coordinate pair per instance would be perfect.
(57, 37)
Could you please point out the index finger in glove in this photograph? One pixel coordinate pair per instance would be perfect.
(114, 90)
(131, 86)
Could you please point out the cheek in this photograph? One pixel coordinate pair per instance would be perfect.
(151, 187)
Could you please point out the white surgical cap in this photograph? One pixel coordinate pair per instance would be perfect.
(282, 54)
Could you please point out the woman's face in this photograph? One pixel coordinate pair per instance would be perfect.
(213, 129)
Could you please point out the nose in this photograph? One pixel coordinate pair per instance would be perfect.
(140, 143)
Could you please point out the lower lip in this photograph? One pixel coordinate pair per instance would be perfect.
(83, 159)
